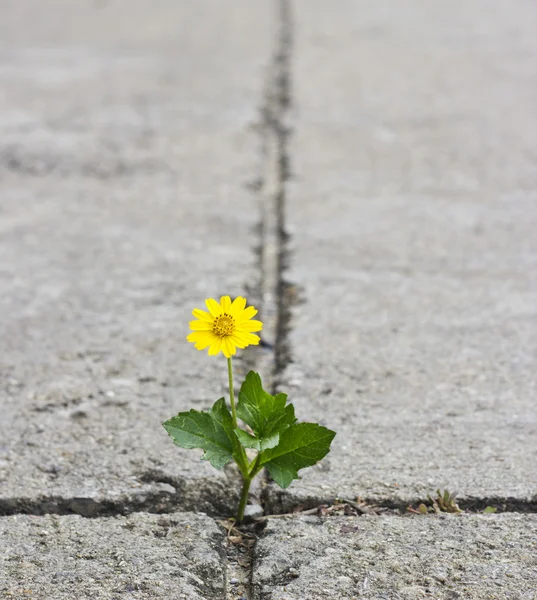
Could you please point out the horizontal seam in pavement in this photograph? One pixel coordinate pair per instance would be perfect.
(399, 506)
(165, 503)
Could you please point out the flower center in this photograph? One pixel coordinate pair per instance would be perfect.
(224, 325)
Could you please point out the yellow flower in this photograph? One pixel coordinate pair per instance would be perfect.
(227, 326)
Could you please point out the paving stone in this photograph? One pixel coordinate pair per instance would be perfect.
(126, 152)
(405, 558)
(411, 211)
(135, 557)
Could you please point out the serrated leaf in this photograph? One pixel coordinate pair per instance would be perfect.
(249, 441)
(221, 414)
(209, 431)
(300, 446)
(267, 415)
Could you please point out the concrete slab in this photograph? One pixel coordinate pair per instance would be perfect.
(444, 557)
(411, 211)
(134, 557)
(125, 154)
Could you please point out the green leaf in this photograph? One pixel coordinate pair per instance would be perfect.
(490, 510)
(249, 441)
(211, 431)
(300, 446)
(267, 415)
(221, 414)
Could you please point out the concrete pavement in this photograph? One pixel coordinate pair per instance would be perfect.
(365, 172)
(403, 557)
(139, 556)
(412, 212)
(127, 149)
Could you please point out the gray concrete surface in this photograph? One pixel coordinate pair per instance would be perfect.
(130, 168)
(134, 557)
(398, 558)
(126, 149)
(412, 215)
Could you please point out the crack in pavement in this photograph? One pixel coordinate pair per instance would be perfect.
(273, 294)
(167, 501)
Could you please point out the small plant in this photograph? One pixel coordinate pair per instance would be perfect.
(444, 502)
(282, 445)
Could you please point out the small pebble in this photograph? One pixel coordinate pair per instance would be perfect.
(253, 511)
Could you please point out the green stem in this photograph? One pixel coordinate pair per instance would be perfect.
(242, 459)
(244, 498)
(231, 393)
(254, 467)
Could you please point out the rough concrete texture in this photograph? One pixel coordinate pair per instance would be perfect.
(132, 167)
(134, 557)
(445, 557)
(412, 216)
(126, 150)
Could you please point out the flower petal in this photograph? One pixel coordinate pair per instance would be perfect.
(237, 341)
(247, 338)
(237, 306)
(202, 326)
(201, 339)
(216, 346)
(249, 326)
(202, 315)
(214, 307)
(246, 314)
(228, 347)
(225, 304)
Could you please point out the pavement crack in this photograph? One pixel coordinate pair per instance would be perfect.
(277, 505)
(242, 540)
(154, 502)
(154, 492)
(272, 291)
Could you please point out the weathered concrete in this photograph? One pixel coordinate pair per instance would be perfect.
(412, 216)
(125, 156)
(405, 558)
(135, 557)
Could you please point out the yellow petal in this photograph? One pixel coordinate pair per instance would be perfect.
(202, 315)
(237, 306)
(201, 339)
(246, 314)
(214, 307)
(215, 347)
(202, 326)
(225, 304)
(249, 326)
(237, 341)
(247, 338)
(228, 347)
